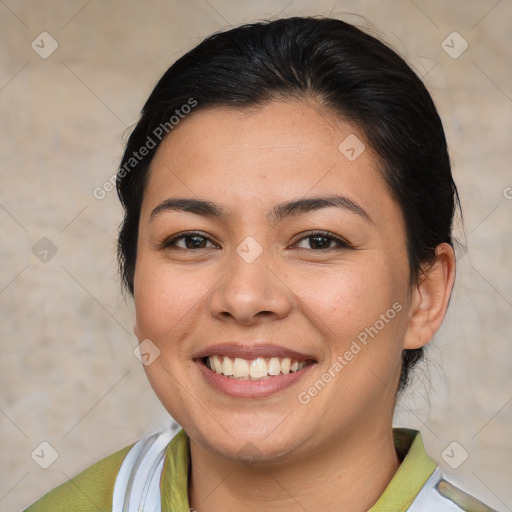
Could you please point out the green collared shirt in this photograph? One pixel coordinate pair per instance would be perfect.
(92, 489)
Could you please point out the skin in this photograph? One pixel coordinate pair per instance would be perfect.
(335, 452)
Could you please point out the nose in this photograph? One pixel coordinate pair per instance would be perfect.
(250, 292)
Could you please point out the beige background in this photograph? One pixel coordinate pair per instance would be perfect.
(68, 374)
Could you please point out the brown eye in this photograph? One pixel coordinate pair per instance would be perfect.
(189, 241)
(195, 242)
(322, 241)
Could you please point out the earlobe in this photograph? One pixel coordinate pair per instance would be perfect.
(430, 298)
(136, 329)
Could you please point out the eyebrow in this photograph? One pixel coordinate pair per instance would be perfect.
(277, 214)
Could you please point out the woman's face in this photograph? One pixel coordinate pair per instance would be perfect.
(254, 269)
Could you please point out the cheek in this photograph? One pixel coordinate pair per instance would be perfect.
(163, 298)
(350, 299)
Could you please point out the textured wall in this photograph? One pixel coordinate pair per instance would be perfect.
(68, 374)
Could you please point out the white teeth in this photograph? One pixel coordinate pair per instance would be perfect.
(274, 366)
(240, 367)
(259, 368)
(228, 366)
(285, 365)
(217, 365)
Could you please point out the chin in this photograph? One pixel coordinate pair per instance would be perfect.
(255, 452)
(238, 440)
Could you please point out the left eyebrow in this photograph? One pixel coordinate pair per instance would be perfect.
(198, 206)
(277, 214)
(308, 204)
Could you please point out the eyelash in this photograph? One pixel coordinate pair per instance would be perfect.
(342, 244)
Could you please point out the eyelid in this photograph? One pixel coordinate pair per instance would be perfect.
(169, 242)
(342, 243)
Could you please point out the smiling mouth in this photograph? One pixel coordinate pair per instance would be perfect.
(261, 368)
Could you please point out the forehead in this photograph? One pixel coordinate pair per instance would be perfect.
(291, 129)
(259, 156)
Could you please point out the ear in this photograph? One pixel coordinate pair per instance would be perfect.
(430, 298)
(136, 329)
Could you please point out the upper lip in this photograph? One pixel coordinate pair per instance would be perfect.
(250, 351)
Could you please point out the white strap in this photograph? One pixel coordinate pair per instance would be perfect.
(429, 499)
(137, 486)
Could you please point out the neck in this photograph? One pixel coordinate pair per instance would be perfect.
(350, 474)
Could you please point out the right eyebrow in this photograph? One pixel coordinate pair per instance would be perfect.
(198, 206)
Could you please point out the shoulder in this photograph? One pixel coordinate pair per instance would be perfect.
(89, 490)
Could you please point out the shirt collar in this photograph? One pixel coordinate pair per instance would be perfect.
(415, 469)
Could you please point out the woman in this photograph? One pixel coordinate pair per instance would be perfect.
(288, 207)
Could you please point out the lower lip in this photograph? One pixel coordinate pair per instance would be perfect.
(251, 388)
